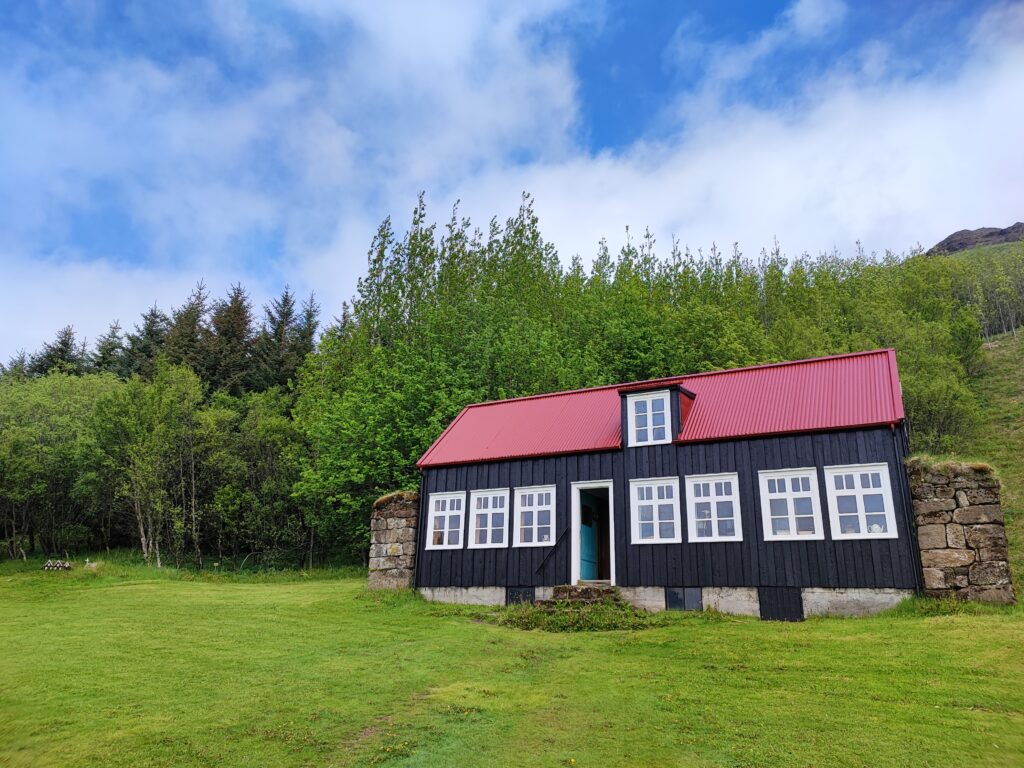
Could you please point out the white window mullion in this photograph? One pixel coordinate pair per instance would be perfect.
(860, 502)
(655, 511)
(445, 520)
(534, 524)
(488, 518)
(713, 508)
(649, 417)
(790, 506)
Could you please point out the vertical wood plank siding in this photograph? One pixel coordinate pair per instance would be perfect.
(752, 562)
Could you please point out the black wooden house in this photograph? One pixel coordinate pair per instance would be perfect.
(776, 490)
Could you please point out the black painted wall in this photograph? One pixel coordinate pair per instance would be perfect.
(751, 562)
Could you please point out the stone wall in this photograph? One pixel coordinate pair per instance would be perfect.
(960, 531)
(393, 540)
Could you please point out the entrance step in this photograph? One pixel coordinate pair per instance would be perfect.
(586, 592)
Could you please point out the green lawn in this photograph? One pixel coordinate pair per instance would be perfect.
(127, 667)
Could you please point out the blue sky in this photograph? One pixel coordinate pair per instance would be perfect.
(146, 146)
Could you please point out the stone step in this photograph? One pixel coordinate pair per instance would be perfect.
(586, 592)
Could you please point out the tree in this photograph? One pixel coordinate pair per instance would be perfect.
(65, 353)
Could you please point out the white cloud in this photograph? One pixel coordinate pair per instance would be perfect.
(465, 101)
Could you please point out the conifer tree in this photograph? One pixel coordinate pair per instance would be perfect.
(65, 353)
(110, 354)
(147, 342)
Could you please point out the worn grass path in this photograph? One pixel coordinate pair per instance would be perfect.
(124, 668)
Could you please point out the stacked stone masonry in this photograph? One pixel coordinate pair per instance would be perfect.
(960, 531)
(393, 541)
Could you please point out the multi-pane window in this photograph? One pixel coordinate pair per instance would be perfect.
(488, 515)
(655, 505)
(535, 516)
(860, 502)
(445, 520)
(713, 507)
(649, 417)
(790, 509)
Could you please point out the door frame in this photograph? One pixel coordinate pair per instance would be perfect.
(574, 536)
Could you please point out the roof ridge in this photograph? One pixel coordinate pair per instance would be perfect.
(679, 377)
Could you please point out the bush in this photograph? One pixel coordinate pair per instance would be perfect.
(570, 616)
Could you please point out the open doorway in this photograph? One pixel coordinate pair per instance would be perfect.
(593, 532)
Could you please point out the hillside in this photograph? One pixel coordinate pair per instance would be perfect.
(1000, 438)
(973, 238)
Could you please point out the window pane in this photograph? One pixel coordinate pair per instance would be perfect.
(658, 404)
(876, 480)
(544, 517)
(865, 480)
(661, 491)
(453, 538)
(702, 510)
(646, 530)
(877, 524)
(849, 523)
(659, 433)
(658, 419)
(726, 528)
(874, 503)
(718, 489)
(803, 506)
(526, 535)
(646, 512)
(526, 517)
(778, 508)
(454, 521)
(805, 483)
(438, 522)
(641, 435)
(544, 533)
(725, 509)
(771, 486)
(481, 521)
(805, 525)
(439, 505)
(780, 526)
(849, 481)
(696, 491)
(839, 482)
(669, 491)
(666, 530)
(641, 421)
(665, 511)
(456, 505)
(481, 536)
(728, 488)
(526, 499)
(438, 537)
(847, 505)
(499, 502)
(704, 529)
(639, 406)
(498, 520)
(497, 536)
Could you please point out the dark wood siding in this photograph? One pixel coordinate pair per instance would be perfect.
(751, 562)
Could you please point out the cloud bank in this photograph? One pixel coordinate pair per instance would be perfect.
(267, 147)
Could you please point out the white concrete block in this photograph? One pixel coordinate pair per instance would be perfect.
(821, 601)
(742, 601)
(648, 598)
(465, 595)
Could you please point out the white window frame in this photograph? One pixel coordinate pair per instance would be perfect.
(431, 514)
(634, 502)
(692, 481)
(517, 494)
(766, 517)
(648, 397)
(885, 490)
(471, 511)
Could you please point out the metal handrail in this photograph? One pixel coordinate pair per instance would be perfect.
(551, 551)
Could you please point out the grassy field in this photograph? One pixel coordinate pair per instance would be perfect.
(1000, 441)
(123, 666)
(127, 666)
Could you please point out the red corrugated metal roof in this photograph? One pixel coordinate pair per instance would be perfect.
(839, 392)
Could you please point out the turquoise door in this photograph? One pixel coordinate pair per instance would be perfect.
(588, 544)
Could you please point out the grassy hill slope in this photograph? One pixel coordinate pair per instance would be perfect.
(1000, 440)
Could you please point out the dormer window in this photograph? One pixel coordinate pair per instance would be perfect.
(649, 415)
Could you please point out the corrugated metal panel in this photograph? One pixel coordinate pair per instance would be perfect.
(840, 392)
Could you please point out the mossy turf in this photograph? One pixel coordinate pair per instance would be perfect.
(125, 667)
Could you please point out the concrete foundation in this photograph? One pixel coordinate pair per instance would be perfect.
(742, 601)
(819, 601)
(465, 595)
(648, 598)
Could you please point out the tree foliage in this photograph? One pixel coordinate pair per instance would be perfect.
(210, 433)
